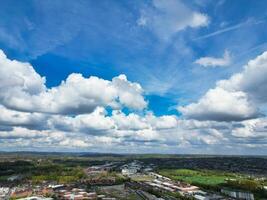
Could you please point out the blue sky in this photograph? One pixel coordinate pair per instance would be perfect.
(177, 51)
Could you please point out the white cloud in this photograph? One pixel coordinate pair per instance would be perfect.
(252, 80)
(23, 89)
(234, 99)
(147, 135)
(93, 123)
(206, 136)
(185, 134)
(167, 17)
(98, 122)
(129, 94)
(29, 120)
(215, 62)
(72, 142)
(192, 124)
(19, 132)
(255, 128)
(73, 115)
(162, 122)
(221, 105)
(15, 75)
(129, 122)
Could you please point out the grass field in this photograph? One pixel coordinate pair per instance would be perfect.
(196, 177)
(215, 180)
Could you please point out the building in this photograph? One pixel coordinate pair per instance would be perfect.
(238, 194)
(76, 194)
(21, 193)
(187, 188)
(36, 198)
(4, 192)
(200, 197)
(158, 176)
(128, 171)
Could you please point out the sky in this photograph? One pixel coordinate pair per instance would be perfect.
(144, 76)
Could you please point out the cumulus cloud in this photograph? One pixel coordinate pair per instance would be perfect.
(221, 105)
(19, 132)
(192, 124)
(252, 80)
(73, 142)
(118, 123)
(93, 123)
(204, 137)
(74, 114)
(147, 135)
(29, 120)
(162, 122)
(16, 76)
(129, 122)
(237, 98)
(23, 89)
(255, 128)
(129, 94)
(167, 17)
(215, 62)
(22, 137)
(89, 134)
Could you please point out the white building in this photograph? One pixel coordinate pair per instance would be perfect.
(238, 194)
(200, 197)
(36, 198)
(3, 192)
(128, 171)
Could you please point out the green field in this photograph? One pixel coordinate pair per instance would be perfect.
(215, 180)
(210, 178)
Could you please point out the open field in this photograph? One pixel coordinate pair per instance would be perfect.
(215, 180)
(197, 177)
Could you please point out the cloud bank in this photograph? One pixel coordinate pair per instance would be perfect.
(87, 114)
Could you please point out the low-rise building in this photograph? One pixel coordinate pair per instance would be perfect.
(76, 194)
(21, 193)
(238, 194)
(36, 198)
(4, 191)
(128, 171)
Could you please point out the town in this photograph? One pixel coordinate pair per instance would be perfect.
(104, 177)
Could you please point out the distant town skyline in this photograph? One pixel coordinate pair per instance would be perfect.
(151, 76)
